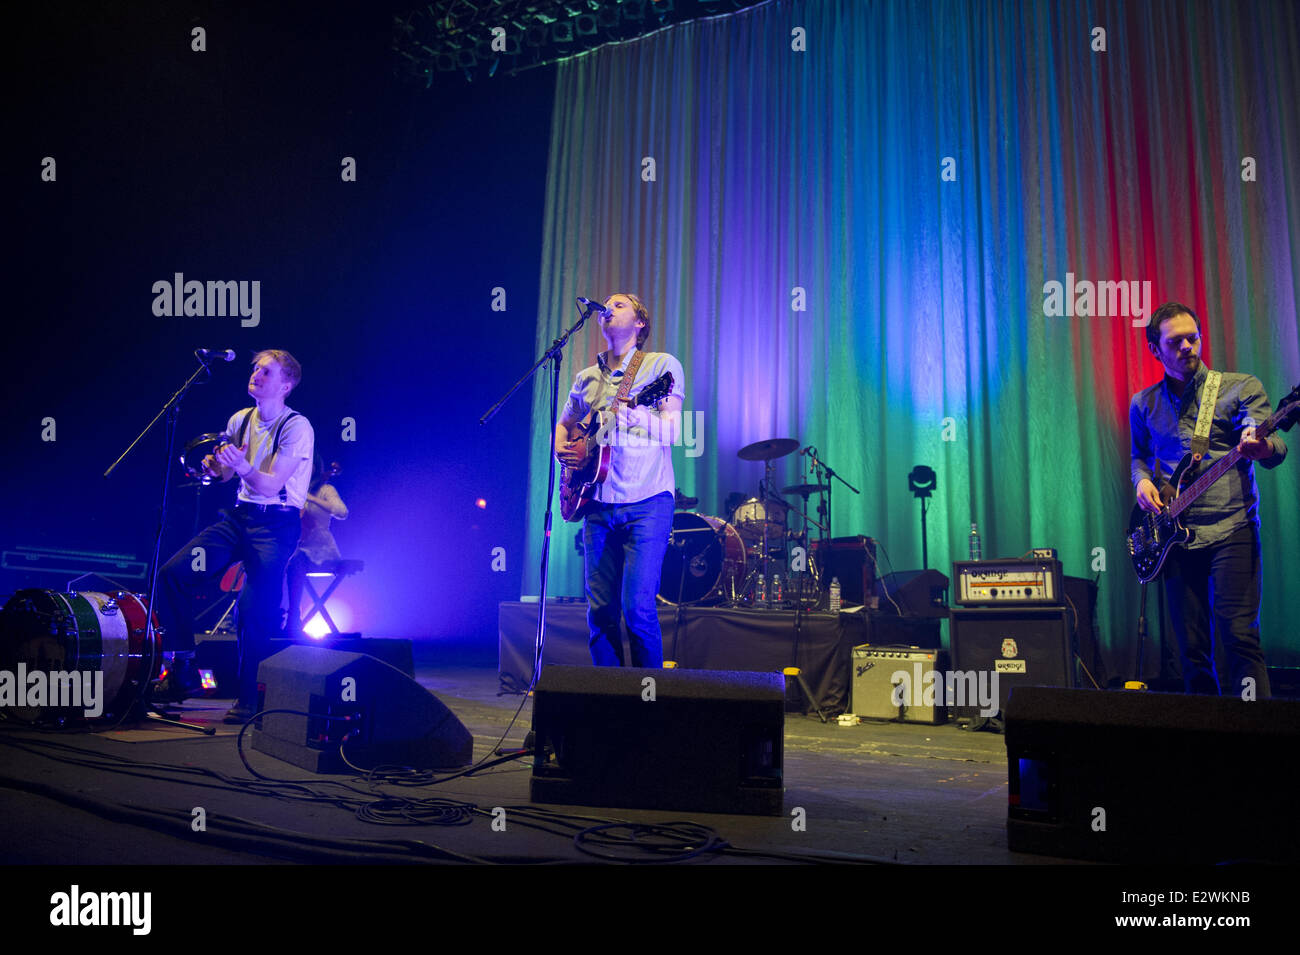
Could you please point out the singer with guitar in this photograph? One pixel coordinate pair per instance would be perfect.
(626, 504)
(1212, 582)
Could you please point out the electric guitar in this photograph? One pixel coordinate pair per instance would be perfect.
(578, 483)
(1150, 536)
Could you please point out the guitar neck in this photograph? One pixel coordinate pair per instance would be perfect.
(1220, 468)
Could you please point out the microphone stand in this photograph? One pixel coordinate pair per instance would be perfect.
(172, 409)
(830, 472)
(555, 355)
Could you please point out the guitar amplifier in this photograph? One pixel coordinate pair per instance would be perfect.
(1008, 582)
(891, 683)
(853, 561)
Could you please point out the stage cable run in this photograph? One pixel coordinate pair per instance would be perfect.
(598, 838)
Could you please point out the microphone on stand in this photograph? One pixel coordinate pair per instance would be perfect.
(589, 304)
(222, 354)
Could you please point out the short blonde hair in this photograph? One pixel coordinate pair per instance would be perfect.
(289, 367)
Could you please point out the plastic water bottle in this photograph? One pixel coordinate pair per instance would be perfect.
(835, 595)
(776, 590)
(975, 553)
(760, 591)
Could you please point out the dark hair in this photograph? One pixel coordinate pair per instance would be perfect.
(317, 474)
(1163, 314)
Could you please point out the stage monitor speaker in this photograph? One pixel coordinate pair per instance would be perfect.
(636, 738)
(391, 718)
(918, 593)
(1138, 777)
(1024, 646)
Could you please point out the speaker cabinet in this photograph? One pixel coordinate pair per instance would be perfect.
(853, 561)
(388, 717)
(918, 593)
(689, 740)
(1024, 646)
(1139, 777)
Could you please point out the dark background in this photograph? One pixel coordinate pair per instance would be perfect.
(225, 165)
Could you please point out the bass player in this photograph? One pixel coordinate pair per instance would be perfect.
(1213, 585)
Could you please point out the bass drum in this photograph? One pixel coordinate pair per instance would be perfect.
(705, 561)
(49, 631)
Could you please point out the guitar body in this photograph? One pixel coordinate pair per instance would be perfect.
(578, 484)
(1151, 536)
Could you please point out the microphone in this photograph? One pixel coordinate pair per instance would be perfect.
(588, 303)
(224, 354)
(808, 450)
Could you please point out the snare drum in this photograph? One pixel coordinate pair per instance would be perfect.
(49, 631)
(705, 559)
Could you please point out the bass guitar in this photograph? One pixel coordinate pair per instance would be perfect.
(1151, 536)
(578, 483)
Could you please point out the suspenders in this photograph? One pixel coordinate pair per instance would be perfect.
(275, 442)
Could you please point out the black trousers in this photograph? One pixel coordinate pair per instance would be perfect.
(264, 541)
(1214, 594)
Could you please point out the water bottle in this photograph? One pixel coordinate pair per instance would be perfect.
(776, 590)
(835, 595)
(760, 591)
(975, 542)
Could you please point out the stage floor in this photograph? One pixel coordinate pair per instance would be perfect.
(894, 793)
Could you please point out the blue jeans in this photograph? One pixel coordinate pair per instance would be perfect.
(623, 554)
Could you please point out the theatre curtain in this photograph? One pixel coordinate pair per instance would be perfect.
(845, 216)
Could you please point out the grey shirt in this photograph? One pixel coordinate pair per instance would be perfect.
(642, 464)
(1161, 425)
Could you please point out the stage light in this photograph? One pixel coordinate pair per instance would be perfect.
(481, 503)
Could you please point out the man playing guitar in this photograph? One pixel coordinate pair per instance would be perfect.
(629, 522)
(1216, 577)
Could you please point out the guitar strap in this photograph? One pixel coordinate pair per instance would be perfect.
(629, 377)
(1205, 417)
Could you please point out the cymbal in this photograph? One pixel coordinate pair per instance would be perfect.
(805, 489)
(767, 450)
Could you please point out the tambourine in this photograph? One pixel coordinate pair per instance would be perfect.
(192, 457)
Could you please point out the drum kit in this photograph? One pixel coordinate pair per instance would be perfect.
(745, 561)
